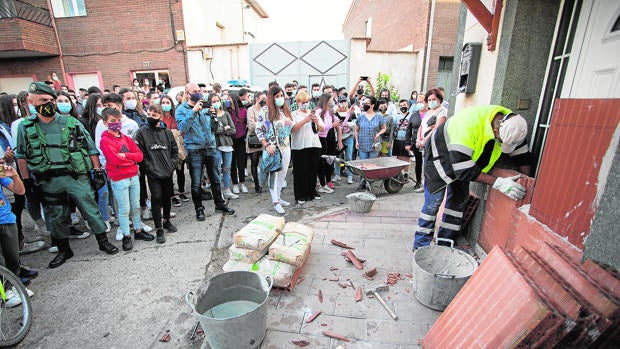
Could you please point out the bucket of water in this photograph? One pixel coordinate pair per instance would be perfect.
(232, 309)
(439, 273)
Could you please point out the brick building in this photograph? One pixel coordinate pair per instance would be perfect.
(88, 42)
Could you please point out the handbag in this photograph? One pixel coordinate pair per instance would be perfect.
(254, 142)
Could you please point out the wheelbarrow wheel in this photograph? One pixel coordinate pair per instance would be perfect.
(392, 185)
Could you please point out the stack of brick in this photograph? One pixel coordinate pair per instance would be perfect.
(270, 247)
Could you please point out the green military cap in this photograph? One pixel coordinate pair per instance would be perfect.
(41, 88)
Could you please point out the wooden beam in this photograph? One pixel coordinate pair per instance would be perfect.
(482, 14)
(492, 40)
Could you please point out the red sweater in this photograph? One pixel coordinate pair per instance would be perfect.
(118, 167)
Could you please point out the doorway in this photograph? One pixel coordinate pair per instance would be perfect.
(152, 78)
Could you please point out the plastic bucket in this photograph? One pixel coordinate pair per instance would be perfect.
(439, 273)
(232, 309)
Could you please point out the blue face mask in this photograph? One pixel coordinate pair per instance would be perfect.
(33, 110)
(433, 104)
(279, 101)
(217, 105)
(63, 108)
(418, 106)
(166, 107)
(99, 110)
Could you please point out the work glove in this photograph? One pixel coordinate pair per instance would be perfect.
(98, 179)
(509, 187)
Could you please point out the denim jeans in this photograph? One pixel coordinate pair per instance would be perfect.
(197, 159)
(103, 199)
(224, 160)
(457, 193)
(348, 155)
(127, 193)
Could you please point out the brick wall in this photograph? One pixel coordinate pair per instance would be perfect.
(445, 27)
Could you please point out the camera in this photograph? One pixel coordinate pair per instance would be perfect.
(364, 77)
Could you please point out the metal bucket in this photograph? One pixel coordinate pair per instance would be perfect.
(232, 309)
(439, 273)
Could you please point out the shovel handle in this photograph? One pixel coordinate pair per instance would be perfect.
(380, 299)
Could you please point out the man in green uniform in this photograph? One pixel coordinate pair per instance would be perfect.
(55, 156)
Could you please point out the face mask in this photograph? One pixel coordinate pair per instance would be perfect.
(166, 107)
(136, 84)
(227, 103)
(152, 121)
(279, 101)
(366, 107)
(316, 94)
(262, 103)
(33, 110)
(403, 110)
(217, 105)
(99, 110)
(131, 104)
(48, 109)
(303, 106)
(195, 97)
(289, 93)
(433, 104)
(156, 101)
(383, 109)
(418, 106)
(245, 102)
(63, 108)
(115, 126)
(332, 104)
(16, 108)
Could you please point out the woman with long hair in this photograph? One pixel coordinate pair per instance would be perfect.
(273, 128)
(328, 137)
(260, 100)
(239, 116)
(368, 130)
(92, 113)
(223, 139)
(169, 119)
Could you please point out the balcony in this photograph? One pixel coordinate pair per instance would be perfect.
(26, 31)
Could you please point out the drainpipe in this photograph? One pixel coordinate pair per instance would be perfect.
(60, 57)
(428, 44)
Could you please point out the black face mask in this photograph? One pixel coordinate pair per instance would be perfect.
(366, 107)
(48, 109)
(403, 109)
(262, 103)
(289, 93)
(152, 122)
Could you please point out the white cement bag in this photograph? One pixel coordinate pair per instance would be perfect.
(302, 229)
(292, 250)
(259, 233)
(281, 272)
(245, 255)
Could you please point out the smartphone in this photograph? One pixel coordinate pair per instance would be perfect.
(364, 77)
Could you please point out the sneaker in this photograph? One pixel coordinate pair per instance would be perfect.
(326, 190)
(13, 299)
(127, 244)
(350, 180)
(76, 234)
(183, 197)
(27, 273)
(230, 195)
(224, 209)
(169, 227)
(75, 220)
(119, 234)
(200, 214)
(146, 228)
(317, 197)
(30, 247)
(418, 188)
(337, 178)
(142, 235)
(108, 227)
(301, 202)
(235, 189)
(146, 214)
(175, 201)
(331, 185)
(284, 203)
(160, 236)
(278, 208)
(244, 189)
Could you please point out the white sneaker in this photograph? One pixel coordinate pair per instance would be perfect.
(244, 189)
(337, 178)
(325, 189)
(146, 214)
(279, 208)
(108, 227)
(13, 299)
(350, 180)
(284, 185)
(30, 247)
(119, 234)
(301, 202)
(146, 228)
(235, 189)
(284, 203)
(229, 195)
(75, 219)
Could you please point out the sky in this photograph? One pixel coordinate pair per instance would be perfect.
(302, 20)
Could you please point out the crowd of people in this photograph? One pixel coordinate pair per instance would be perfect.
(118, 154)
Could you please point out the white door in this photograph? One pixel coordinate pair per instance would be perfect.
(85, 80)
(15, 84)
(596, 70)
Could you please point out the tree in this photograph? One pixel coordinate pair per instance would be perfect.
(383, 81)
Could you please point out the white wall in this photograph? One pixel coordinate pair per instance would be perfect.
(228, 62)
(403, 67)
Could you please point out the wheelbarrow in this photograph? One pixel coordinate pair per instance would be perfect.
(391, 171)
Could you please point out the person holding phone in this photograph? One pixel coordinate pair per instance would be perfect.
(328, 138)
(346, 142)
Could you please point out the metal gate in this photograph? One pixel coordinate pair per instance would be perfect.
(324, 62)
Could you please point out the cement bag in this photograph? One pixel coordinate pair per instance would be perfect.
(292, 250)
(301, 229)
(259, 233)
(233, 265)
(281, 272)
(245, 255)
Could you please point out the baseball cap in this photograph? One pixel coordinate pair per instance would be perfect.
(41, 88)
(512, 132)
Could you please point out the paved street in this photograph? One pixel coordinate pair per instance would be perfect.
(133, 298)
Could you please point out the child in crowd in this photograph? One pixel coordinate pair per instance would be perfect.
(161, 156)
(122, 158)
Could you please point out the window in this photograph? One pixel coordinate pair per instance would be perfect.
(368, 28)
(445, 63)
(68, 8)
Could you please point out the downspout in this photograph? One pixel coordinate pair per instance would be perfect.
(60, 57)
(431, 22)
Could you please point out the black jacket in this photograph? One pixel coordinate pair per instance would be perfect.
(160, 150)
(412, 129)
